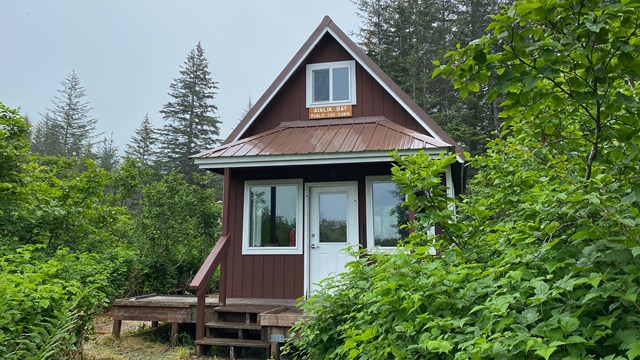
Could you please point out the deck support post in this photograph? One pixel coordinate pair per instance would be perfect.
(174, 333)
(117, 325)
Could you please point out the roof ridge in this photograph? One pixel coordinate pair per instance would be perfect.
(328, 26)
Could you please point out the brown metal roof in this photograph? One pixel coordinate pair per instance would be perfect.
(327, 25)
(345, 139)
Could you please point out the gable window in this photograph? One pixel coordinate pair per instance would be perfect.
(385, 213)
(272, 217)
(331, 83)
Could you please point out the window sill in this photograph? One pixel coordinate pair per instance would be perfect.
(272, 251)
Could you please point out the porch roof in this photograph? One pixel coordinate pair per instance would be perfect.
(304, 142)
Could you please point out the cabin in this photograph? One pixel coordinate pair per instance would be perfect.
(307, 174)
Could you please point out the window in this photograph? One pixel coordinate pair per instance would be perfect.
(331, 83)
(272, 217)
(385, 213)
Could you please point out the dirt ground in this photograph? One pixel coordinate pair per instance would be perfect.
(138, 341)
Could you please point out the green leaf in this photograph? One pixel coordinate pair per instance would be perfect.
(546, 352)
(634, 350)
(594, 279)
(595, 27)
(480, 57)
(474, 86)
(439, 346)
(569, 324)
(552, 227)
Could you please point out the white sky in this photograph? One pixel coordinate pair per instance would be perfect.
(127, 52)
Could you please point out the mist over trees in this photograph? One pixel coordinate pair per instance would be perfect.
(141, 147)
(80, 226)
(67, 129)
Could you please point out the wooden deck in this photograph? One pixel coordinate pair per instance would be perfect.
(272, 316)
(175, 309)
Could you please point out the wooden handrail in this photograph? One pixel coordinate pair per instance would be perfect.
(200, 282)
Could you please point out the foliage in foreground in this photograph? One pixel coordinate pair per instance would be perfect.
(542, 260)
(48, 300)
(60, 255)
(73, 237)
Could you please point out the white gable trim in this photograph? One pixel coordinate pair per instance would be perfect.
(275, 92)
(384, 86)
(303, 58)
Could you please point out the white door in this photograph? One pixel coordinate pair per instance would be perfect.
(333, 226)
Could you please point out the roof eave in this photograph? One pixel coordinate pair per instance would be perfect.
(308, 159)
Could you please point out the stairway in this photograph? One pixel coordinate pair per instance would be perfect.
(235, 327)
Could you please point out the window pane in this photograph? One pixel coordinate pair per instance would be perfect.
(272, 215)
(341, 84)
(321, 85)
(333, 218)
(388, 214)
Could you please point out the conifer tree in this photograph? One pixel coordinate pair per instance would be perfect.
(405, 38)
(67, 129)
(45, 138)
(106, 155)
(142, 145)
(191, 121)
(246, 109)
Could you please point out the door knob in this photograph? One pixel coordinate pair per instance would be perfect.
(314, 246)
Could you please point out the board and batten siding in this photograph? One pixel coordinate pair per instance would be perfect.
(280, 276)
(290, 102)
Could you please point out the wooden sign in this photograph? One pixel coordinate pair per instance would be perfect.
(330, 112)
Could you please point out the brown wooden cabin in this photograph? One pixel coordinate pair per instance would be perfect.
(307, 171)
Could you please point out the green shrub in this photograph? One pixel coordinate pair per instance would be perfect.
(174, 231)
(542, 258)
(48, 300)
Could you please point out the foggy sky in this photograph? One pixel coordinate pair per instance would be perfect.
(127, 52)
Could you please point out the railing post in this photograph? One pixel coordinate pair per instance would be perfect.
(201, 280)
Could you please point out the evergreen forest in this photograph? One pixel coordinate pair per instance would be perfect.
(538, 259)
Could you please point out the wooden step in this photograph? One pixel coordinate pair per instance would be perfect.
(232, 342)
(251, 309)
(232, 325)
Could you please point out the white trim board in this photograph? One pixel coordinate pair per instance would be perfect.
(305, 159)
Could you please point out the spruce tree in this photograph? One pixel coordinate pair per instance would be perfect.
(142, 145)
(45, 138)
(405, 38)
(106, 155)
(191, 121)
(246, 109)
(67, 129)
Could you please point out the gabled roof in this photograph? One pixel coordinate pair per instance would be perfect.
(322, 141)
(328, 26)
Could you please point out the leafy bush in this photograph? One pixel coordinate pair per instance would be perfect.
(542, 258)
(555, 275)
(61, 252)
(47, 301)
(174, 231)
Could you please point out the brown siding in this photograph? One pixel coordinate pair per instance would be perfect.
(280, 276)
(290, 102)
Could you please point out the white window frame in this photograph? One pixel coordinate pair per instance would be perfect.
(369, 181)
(271, 250)
(351, 64)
